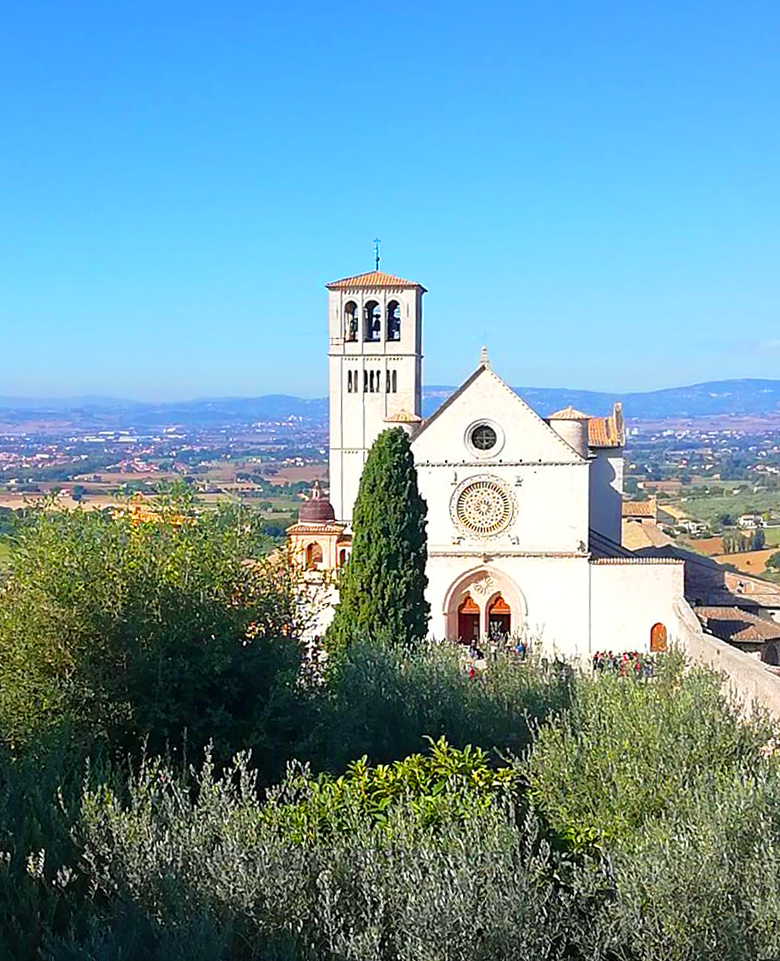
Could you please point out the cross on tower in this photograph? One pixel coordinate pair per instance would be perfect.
(377, 242)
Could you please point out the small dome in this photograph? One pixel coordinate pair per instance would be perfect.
(403, 417)
(317, 509)
(568, 413)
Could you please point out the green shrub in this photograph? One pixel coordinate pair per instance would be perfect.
(703, 880)
(628, 750)
(113, 630)
(443, 785)
(206, 869)
(382, 700)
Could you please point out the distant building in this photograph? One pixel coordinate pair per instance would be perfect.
(753, 634)
(750, 522)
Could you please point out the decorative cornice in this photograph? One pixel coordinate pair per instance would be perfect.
(636, 560)
(494, 465)
(316, 529)
(502, 551)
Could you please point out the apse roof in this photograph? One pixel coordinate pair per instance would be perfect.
(403, 417)
(568, 413)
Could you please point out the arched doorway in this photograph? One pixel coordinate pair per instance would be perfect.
(499, 618)
(474, 592)
(658, 641)
(468, 620)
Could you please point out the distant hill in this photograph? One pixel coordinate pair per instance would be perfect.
(723, 397)
(745, 396)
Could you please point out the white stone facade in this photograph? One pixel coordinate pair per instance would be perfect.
(524, 516)
(375, 358)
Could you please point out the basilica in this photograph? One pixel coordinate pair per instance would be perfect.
(524, 512)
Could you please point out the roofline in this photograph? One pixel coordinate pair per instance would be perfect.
(401, 285)
(485, 366)
(450, 400)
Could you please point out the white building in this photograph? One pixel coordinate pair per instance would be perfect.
(524, 513)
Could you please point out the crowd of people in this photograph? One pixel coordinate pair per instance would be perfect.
(632, 663)
(480, 653)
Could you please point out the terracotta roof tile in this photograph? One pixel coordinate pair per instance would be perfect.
(373, 278)
(639, 508)
(733, 624)
(598, 432)
(607, 431)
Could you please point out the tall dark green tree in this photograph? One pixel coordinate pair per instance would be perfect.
(382, 586)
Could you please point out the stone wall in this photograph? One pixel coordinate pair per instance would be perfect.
(752, 681)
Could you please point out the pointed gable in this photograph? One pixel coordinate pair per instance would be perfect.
(523, 435)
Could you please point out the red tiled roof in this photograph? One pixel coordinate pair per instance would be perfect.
(733, 624)
(607, 431)
(639, 508)
(373, 278)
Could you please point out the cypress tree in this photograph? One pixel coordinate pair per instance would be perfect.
(382, 586)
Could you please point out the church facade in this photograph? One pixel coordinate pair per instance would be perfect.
(524, 512)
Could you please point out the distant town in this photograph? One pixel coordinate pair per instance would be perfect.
(708, 483)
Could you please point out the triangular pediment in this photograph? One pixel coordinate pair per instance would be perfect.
(522, 434)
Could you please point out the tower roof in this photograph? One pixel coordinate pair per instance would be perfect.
(373, 278)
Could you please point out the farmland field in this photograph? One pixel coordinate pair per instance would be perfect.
(709, 509)
(749, 562)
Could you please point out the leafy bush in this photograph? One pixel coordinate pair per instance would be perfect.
(382, 700)
(703, 880)
(205, 872)
(111, 630)
(628, 750)
(446, 784)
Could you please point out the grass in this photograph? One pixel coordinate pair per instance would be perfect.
(709, 508)
(772, 535)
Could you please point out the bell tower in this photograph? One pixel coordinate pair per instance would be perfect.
(375, 359)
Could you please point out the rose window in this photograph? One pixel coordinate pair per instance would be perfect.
(483, 507)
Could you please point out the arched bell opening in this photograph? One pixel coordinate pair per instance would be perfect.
(468, 620)
(393, 325)
(350, 321)
(499, 618)
(372, 321)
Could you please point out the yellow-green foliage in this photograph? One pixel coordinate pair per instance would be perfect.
(443, 785)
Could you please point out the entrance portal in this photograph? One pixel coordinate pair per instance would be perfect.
(468, 620)
(499, 619)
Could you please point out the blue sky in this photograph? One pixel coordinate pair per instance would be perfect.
(592, 188)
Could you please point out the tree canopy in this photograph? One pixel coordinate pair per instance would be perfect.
(382, 587)
(114, 629)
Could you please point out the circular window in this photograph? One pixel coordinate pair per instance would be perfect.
(483, 437)
(483, 507)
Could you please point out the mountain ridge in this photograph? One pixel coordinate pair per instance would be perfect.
(743, 396)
